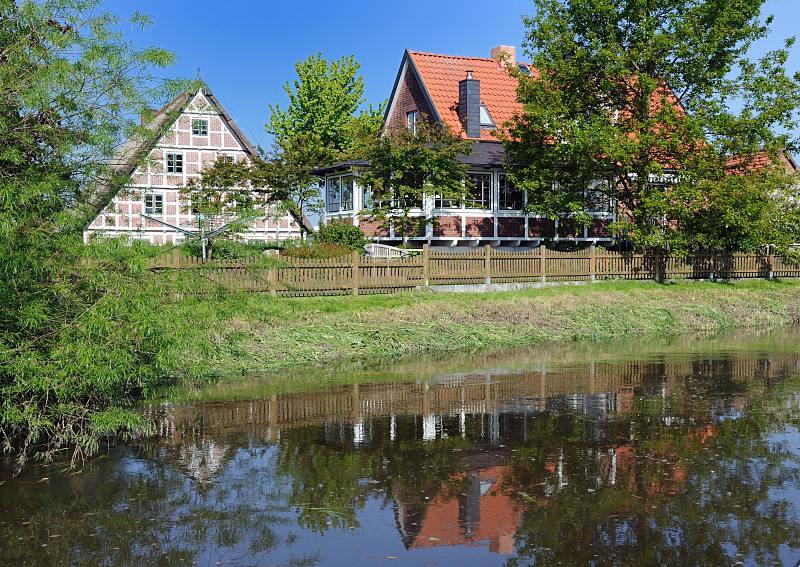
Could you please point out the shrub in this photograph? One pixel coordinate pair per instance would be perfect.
(318, 250)
(231, 249)
(342, 233)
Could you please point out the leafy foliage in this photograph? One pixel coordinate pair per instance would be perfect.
(342, 233)
(319, 251)
(82, 331)
(652, 105)
(406, 166)
(316, 128)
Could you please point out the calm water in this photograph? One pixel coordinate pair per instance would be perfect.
(674, 453)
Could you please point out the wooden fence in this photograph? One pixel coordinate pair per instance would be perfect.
(358, 275)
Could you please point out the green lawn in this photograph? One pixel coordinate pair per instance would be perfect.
(258, 332)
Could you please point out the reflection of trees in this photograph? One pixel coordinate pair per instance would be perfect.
(330, 481)
(687, 493)
(680, 468)
(154, 513)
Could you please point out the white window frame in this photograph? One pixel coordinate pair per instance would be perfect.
(177, 163)
(329, 201)
(501, 175)
(200, 132)
(154, 207)
(412, 118)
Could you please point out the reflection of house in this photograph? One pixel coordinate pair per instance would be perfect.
(471, 509)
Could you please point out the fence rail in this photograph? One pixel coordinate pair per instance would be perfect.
(358, 275)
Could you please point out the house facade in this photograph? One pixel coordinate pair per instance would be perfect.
(472, 96)
(194, 131)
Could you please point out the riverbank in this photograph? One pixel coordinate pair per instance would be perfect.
(262, 333)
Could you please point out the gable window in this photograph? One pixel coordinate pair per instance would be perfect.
(333, 195)
(412, 118)
(479, 191)
(486, 119)
(510, 196)
(224, 158)
(154, 204)
(174, 163)
(200, 127)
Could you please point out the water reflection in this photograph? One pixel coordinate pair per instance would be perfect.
(680, 456)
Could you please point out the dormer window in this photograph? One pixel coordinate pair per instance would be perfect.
(411, 121)
(486, 119)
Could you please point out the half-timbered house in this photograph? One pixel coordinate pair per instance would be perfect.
(191, 132)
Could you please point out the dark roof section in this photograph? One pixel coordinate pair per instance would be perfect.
(492, 154)
(340, 166)
(136, 148)
(484, 154)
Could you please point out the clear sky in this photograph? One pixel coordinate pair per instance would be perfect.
(246, 49)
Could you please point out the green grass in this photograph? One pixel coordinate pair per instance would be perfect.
(257, 332)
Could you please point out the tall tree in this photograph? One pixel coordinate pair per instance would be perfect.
(315, 127)
(653, 105)
(73, 342)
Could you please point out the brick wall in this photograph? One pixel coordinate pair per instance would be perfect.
(511, 227)
(408, 98)
(480, 226)
(541, 228)
(447, 226)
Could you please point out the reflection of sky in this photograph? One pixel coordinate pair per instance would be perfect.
(231, 493)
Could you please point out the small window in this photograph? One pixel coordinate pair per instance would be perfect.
(346, 185)
(510, 196)
(486, 118)
(224, 158)
(174, 163)
(154, 204)
(411, 121)
(200, 127)
(333, 195)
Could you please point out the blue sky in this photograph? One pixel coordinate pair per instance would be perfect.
(246, 49)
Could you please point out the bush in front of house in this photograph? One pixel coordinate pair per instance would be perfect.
(317, 251)
(341, 233)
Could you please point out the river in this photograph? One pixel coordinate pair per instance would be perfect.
(674, 451)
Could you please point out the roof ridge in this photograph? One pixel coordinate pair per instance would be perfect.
(446, 56)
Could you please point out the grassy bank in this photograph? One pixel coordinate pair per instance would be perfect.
(259, 333)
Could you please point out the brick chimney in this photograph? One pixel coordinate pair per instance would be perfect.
(505, 54)
(469, 105)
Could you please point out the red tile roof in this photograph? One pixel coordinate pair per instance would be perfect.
(442, 73)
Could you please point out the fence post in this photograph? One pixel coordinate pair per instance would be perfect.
(593, 263)
(543, 254)
(426, 264)
(770, 264)
(712, 274)
(487, 265)
(273, 281)
(356, 258)
(176, 258)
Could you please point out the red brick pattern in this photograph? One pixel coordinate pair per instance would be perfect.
(374, 228)
(408, 98)
(447, 227)
(511, 227)
(480, 226)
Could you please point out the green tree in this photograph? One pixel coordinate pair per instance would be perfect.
(76, 344)
(404, 167)
(653, 105)
(322, 101)
(315, 129)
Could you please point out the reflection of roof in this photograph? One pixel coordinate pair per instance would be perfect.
(482, 513)
(441, 75)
